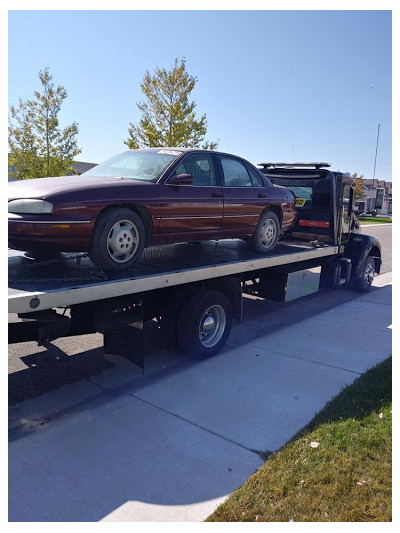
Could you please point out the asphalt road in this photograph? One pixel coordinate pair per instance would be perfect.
(34, 370)
(384, 234)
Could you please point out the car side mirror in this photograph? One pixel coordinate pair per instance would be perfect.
(181, 179)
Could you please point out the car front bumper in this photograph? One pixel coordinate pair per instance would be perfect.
(49, 232)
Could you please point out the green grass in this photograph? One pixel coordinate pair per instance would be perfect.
(374, 220)
(346, 478)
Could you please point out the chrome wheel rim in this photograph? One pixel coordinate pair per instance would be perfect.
(212, 326)
(122, 241)
(268, 232)
(369, 273)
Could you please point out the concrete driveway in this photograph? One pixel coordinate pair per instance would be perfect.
(175, 444)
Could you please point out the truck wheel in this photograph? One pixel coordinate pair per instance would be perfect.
(169, 318)
(118, 239)
(266, 234)
(363, 282)
(204, 324)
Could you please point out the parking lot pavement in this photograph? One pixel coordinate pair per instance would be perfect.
(173, 446)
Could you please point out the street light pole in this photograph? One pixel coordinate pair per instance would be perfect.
(376, 154)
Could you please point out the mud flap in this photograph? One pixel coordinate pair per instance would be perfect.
(125, 337)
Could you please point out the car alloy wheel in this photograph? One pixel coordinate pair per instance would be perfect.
(122, 241)
(268, 233)
(118, 239)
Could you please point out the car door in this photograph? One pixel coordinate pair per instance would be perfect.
(245, 197)
(192, 212)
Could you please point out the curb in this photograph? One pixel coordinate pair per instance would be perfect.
(375, 225)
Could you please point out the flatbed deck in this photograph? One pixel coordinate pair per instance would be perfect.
(35, 285)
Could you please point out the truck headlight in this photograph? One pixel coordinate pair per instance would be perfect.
(30, 205)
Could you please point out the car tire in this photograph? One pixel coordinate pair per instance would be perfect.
(266, 234)
(204, 324)
(118, 239)
(363, 281)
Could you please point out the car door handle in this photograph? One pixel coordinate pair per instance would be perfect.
(216, 195)
(262, 195)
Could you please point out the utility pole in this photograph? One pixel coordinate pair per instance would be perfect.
(376, 154)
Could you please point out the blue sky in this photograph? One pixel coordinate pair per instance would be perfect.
(275, 85)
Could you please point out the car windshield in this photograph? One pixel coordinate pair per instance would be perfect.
(137, 164)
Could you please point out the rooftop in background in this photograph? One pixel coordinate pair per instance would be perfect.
(79, 167)
(371, 184)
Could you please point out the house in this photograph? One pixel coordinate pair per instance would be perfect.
(79, 168)
(377, 195)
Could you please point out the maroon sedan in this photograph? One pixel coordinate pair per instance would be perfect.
(148, 197)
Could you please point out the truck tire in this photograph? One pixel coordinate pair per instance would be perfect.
(204, 324)
(363, 281)
(118, 239)
(266, 234)
(170, 316)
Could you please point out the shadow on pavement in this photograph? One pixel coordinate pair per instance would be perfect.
(132, 459)
(50, 369)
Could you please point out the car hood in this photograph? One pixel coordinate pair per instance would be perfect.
(45, 187)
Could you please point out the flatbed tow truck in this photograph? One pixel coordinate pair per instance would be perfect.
(194, 290)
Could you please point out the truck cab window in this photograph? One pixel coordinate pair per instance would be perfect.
(346, 196)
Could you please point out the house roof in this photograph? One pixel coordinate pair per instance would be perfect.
(80, 167)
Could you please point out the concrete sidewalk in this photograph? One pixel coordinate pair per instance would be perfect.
(175, 445)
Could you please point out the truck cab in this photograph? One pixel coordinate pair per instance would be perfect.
(325, 214)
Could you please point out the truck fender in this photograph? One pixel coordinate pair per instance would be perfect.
(360, 247)
(231, 286)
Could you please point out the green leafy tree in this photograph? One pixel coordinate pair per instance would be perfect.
(168, 114)
(358, 186)
(38, 146)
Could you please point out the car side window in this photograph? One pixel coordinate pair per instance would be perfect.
(201, 167)
(235, 173)
(255, 177)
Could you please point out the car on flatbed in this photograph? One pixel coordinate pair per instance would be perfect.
(149, 197)
(194, 291)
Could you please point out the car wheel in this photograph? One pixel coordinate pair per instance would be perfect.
(363, 281)
(266, 234)
(204, 324)
(118, 239)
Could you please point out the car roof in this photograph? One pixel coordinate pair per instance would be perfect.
(186, 150)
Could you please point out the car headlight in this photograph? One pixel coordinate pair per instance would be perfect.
(30, 205)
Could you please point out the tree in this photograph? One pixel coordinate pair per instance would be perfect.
(168, 116)
(358, 186)
(38, 147)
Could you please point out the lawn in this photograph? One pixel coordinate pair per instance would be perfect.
(337, 469)
(374, 220)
